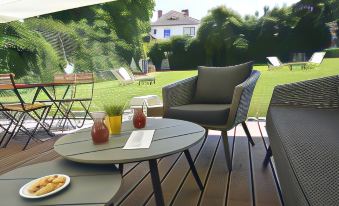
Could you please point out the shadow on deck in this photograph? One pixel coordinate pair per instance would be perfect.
(248, 184)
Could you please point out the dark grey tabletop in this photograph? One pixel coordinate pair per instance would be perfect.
(171, 136)
(90, 184)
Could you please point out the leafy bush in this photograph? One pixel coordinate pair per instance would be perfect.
(184, 53)
(156, 52)
(332, 53)
(226, 38)
(24, 50)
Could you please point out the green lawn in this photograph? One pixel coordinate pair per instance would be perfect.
(111, 91)
(269, 79)
(106, 92)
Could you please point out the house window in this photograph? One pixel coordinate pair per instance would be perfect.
(154, 31)
(167, 33)
(189, 31)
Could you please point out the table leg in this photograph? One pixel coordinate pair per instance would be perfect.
(121, 168)
(193, 169)
(159, 198)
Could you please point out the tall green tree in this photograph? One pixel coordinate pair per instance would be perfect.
(222, 36)
(24, 51)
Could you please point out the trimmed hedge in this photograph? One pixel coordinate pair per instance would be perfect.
(332, 53)
(184, 53)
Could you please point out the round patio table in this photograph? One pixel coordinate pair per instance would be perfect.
(94, 185)
(170, 137)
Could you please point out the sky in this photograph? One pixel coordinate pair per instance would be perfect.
(199, 8)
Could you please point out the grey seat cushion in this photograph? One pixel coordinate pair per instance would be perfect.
(208, 114)
(215, 85)
(309, 139)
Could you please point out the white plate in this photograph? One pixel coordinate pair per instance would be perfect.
(24, 189)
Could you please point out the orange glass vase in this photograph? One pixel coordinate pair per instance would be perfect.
(100, 133)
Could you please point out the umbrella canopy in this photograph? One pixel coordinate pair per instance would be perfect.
(11, 10)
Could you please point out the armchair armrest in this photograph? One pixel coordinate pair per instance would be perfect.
(179, 93)
(316, 93)
(241, 100)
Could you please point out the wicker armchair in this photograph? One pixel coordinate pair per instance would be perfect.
(302, 125)
(182, 93)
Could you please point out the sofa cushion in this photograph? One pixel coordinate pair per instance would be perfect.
(208, 114)
(305, 145)
(215, 85)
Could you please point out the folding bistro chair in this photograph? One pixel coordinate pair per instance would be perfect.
(19, 110)
(62, 101)
(82, 95)
(77, 94)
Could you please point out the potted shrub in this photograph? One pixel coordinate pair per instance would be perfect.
(113, 118)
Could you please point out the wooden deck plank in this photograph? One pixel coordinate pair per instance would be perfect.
(239, 192)
(215, 188)
(178, 184)
(189, 193)
(262, 176)
(10, 150)
(128, 167)
(46, 156)
(265, 190)
(131, 181)
(145, 189)
(13, 161)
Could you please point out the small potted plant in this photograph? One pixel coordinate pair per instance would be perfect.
(113, 118)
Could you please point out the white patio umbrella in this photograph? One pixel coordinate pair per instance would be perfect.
(11, 10)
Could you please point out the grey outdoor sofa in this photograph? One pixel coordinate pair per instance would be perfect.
(179, 104)
(303, 129)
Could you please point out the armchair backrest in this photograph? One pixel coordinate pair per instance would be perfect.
(241, 100)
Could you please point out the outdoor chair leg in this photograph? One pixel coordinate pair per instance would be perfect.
(86, 108)
(29, 139)
(67, 116)
(6, 131)
(227, 150)
(39, 121)
(18, 125)
(267, 156)
(249, 137)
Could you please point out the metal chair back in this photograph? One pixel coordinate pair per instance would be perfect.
(84, 79)
(7, 83)
(64, 78)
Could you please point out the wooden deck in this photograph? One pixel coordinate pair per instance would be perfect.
(248, 184)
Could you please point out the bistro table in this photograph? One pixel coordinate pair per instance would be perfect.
(42, 87)
(90, 185)
(170, 137)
